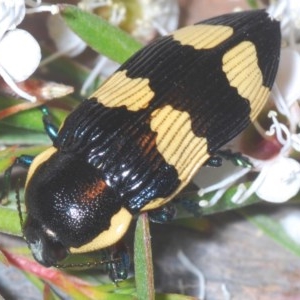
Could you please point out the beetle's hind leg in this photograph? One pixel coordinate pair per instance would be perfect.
(163, 214)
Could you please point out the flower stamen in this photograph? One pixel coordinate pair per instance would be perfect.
(279, 129)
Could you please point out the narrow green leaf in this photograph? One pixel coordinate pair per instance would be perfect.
(35, 281)
(253, 4)
(8, 155)
(3, 259)
(99, 34)
(273, 229)
(32, 119)
(224, 204)
(11, 135)
(10, 222)
(200, 224)
(143, 259)
(48, 294)
(174, 297)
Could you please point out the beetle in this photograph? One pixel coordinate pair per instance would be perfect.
(140, 138)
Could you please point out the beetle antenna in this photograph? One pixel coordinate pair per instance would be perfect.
(87, 264)
(117, 264)
(19, 203)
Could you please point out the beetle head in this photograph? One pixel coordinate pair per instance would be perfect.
(71, 209)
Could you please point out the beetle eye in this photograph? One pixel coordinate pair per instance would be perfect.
(53, 252)
(46, 251)
(45, 246)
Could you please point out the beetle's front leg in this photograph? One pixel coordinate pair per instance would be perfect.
(119, 266)
(23, 161)
(50, 128)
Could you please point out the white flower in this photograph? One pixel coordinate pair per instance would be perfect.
(20, 53)
(288, 11)
(11, 15)
(16, 47)
(159, 16)
(281, 180)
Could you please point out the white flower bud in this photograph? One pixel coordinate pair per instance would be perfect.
(281, 181)
(20, 54)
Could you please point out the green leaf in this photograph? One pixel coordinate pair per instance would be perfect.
(8, 155)
(143, 259)
(273, 229)
(32, 119)
(3, 259)
(99, 34)
(10, 221)
(224, 204)
(48, 294)
(174, 297)
(253, 4)
(35, 281)
(11, 135)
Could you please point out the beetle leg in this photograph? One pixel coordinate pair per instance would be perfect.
(23, 161)
(235, 157)
(214, 161)
(163, 214)
(50, 128)
(115, 260)
(118, 267)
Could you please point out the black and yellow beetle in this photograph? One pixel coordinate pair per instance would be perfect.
(144, 133)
